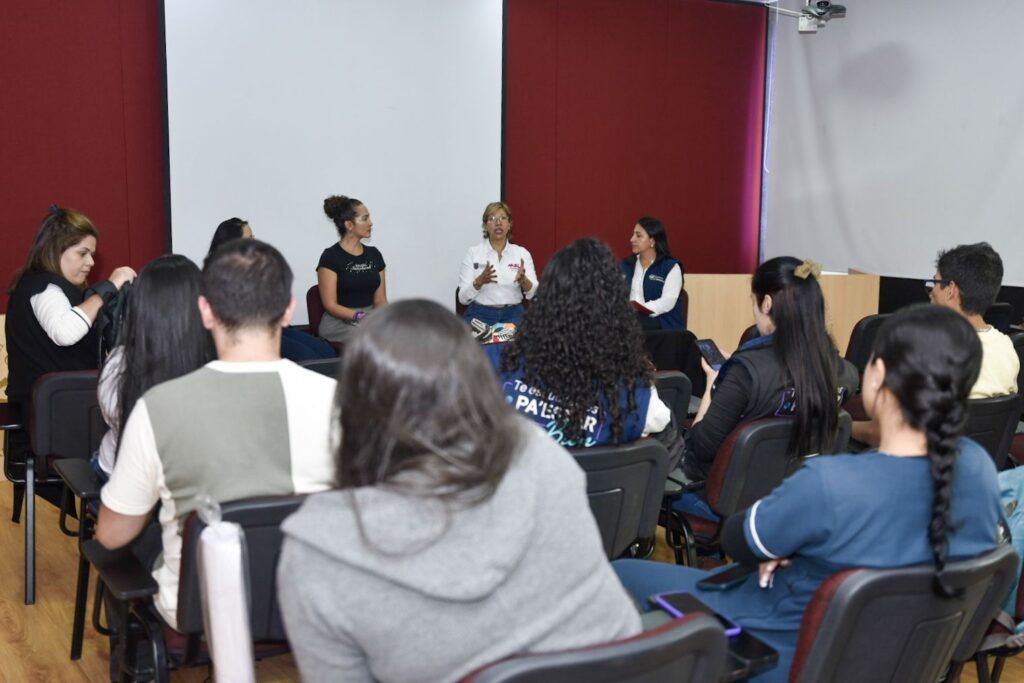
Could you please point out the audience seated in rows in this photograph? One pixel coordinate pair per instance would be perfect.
(460, 534)
(967, 280)
(163, 338)
(792, 369)
(577, 365)
(248, 424)
(926, 495)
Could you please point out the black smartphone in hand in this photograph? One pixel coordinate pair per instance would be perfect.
(712, 354)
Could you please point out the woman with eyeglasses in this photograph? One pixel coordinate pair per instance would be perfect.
(496, 275)
(350, 274)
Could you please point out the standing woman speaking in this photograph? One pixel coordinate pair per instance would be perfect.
(496, 275)
(350, 274)
(655, 278)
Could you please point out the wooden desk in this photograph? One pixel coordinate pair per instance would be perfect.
(721, 308)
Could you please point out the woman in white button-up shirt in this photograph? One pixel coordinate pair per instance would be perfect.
(496, 275)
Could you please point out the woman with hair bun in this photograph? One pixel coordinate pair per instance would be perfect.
(350, 274)
(50, 315)
(655, 278)
(927, 495)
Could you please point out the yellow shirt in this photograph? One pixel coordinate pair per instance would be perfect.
(999, 365)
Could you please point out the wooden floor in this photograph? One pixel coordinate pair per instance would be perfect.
(35, 640)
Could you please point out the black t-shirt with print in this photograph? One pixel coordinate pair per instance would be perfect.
(358, 276)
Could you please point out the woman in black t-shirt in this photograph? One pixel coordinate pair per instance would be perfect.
(350, 274)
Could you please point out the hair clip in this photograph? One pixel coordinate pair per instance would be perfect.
(54, 210)
(806, 268)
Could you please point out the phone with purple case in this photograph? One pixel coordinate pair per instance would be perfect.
(681, 604)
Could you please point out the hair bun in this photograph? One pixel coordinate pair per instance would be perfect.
(808, 268)
(335, 205)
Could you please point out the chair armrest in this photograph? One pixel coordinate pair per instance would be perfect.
(7, 421)
(79, 477)
(121, 572)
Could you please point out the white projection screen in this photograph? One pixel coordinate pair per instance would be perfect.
(895, 132)
(273, 105)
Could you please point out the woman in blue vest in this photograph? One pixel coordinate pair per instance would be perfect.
(577, 365)
(655, 278)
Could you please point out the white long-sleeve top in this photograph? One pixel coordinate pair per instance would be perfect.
(63, 323)
(669, 292)
(504, 291)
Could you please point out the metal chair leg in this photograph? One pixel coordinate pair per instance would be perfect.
(30, 531)
(81, 597)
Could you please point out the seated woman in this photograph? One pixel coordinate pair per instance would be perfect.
(460, 534)
(163, 338)
(350, 274)
(50, 315)
(496, 275)
(577, 365)
(296, 345)
(655, 278)
(926, 495)
(793, 369)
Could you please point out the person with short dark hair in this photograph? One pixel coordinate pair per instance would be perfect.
(967, 280)
(577, 365)
(460, 533)
(248, 424)
(655, 278)
(926, 494)
(350, 274)
(496, 276)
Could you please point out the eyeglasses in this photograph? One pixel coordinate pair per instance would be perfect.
(937, 281)
(498, 219)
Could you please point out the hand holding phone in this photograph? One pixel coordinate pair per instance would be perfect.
(711, 353)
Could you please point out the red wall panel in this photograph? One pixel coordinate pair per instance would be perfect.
(81, 125)
(616, 109)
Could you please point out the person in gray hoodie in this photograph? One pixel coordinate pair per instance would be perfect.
(459, 534)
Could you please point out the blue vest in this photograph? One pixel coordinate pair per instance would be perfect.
(654, 283)
(542, 407)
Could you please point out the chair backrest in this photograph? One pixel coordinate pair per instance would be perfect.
(756, 457)
(1018, 345)
(65, 419)
(684, 305)
(674, 389)
(992, 422)
(1000, 316)
(260, 519)
(748, 334)
(625, 485)
(460, 309)
(862, 338)
(841, 639)
(325, 366)
(690, 649)
(315, 308)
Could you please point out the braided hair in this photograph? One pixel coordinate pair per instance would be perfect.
(580, 339)
(932, 356)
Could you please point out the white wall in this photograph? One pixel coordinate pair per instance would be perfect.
(898, 131)
(275, 105)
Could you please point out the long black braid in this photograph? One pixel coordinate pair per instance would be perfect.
(932, 356)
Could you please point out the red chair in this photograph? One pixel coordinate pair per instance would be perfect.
(689, 649)
(315, 308)
(890, 625)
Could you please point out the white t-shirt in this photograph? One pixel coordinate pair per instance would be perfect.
(999, 365)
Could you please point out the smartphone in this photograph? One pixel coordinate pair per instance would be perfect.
(681, 604)
(730, 578)
(709, 349)
(755, 654)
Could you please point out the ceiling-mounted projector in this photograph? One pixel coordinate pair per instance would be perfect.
(814, 15)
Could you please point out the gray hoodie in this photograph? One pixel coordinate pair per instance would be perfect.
(436, 594)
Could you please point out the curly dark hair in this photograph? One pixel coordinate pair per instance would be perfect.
(580, 339)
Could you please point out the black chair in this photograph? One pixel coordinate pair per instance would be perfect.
(1001, 640)
(674, 389)
(624, 486)
(690, 649)
(64, 421)
(460, 308)
(325, 366)
(992, 422)
(862, 339)
(750, 464)
(132, 587)
(889, 625)
(1000, 316)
